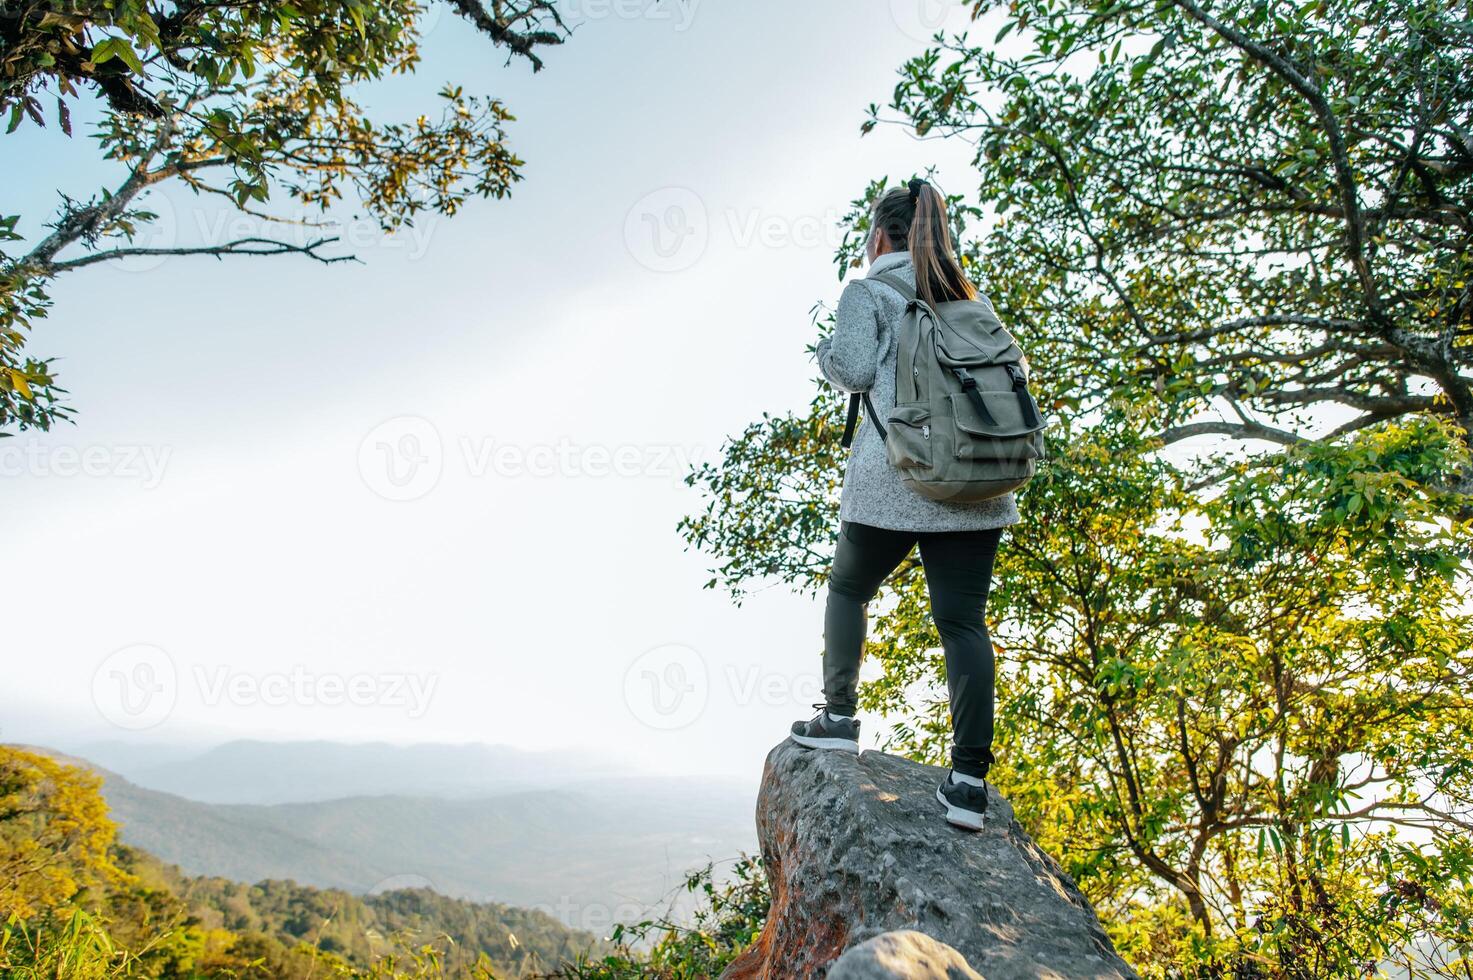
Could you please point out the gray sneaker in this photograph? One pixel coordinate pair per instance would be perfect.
(823, 732)
(966, 805)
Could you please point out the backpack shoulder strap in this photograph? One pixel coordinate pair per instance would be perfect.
(905, 289)
(853, 418)
(908, 293)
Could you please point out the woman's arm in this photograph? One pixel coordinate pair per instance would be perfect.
(850, 356)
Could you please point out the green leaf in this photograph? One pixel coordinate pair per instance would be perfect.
(1143, 65)
(102, 51)
(117, 47)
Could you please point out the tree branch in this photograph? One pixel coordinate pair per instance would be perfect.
(241, 246)
(1237, 430)
(1339, 155)
(498, 25)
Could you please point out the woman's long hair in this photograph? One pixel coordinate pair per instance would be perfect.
(914, 218)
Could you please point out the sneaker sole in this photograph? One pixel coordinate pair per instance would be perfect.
(957, 817)
(839, 744)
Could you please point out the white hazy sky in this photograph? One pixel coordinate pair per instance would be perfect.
(531, 375)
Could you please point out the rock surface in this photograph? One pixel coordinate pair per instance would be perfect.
(856, 846)
(902, 955)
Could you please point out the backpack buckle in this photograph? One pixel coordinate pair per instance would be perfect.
(1020, 380)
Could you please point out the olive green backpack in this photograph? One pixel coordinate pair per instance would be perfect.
(965, 427)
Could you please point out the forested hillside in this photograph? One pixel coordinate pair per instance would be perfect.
(530, 848)
(64, 879)
(276, 919)
(75, 904)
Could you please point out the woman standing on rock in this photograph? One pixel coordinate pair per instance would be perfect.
(883, 517)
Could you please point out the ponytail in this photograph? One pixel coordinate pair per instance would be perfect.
(914, 218)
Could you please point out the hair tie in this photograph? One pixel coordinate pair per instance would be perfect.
(915, 189)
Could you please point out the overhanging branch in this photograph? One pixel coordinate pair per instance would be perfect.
(1237, 430)
(241, 246)
(501, 24)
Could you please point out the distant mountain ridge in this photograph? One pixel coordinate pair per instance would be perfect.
(591, 853)
(256, 771)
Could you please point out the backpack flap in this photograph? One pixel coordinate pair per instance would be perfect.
(969, 334)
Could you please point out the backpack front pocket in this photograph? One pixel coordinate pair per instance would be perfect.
(908, 436)
(1005, 434)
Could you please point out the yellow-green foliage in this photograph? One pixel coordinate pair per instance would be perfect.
(75, 905)
(727, 921)
(1239, 715)
(54, 833)
(253, 103)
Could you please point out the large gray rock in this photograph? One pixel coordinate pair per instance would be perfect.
(856, 846)
(903, 955)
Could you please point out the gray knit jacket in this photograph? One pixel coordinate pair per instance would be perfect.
(860, 356)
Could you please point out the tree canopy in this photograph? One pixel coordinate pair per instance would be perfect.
(1257, 209)
(245, 104)
(55, 836)
(1233, 676)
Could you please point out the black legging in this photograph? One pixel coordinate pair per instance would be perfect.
(958, 566)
